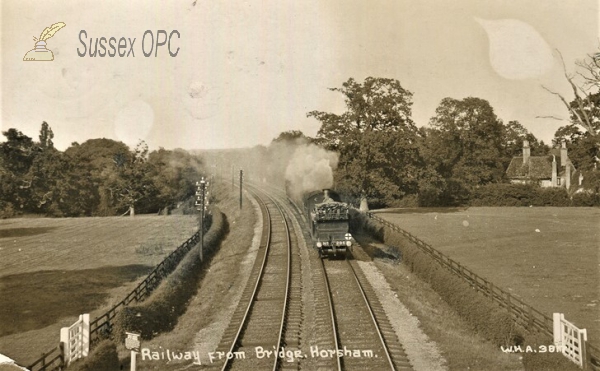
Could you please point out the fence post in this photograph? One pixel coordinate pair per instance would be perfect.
(85, 335)
(585, 360)
(64, 338)
(61, 348)
(530, 319)
(557, 329)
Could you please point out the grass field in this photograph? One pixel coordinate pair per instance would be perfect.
(52, 270)
(549, 257)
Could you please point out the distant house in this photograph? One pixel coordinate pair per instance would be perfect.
(545, 170)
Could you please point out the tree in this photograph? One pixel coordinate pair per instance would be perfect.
(583, 147)
(131, 184)
(46, 136)
(375, 138)
(583, 108)
(93, 175)
(465, 145)
(514, 135)
(18, 153)
(291, 136)
(174, 175)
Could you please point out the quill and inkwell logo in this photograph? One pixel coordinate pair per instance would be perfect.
(40, 52)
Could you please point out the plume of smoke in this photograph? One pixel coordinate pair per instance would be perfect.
(310, 168)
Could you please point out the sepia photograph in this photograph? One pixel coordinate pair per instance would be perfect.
(299, 185)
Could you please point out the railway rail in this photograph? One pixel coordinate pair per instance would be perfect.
(268, 316)
(365, 338)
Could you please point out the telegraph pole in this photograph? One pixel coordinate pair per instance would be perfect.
(241, 180)
(200, 203)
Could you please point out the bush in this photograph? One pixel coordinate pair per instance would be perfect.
(551, 197)
(407, 201)
(161, 311)
(544, 361)
(585, 199)
(361, 222)
(103, 357)
(504, 194)
(7, 210)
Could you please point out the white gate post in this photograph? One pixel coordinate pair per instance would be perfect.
(85, 335)
(64, 338)
(557, 329)
(76, 339)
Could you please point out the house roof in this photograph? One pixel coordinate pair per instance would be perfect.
(537, 167)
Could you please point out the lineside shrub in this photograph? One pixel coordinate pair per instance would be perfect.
(103, 357)
(160, 312)
(361, 222)
(483, 315)
(536, 361)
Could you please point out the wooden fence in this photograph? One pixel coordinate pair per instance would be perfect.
(101, 326)
(54, 360)
(522, 313)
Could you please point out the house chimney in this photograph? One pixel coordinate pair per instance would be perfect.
(554, 182)
(563, 154)
(526, 151)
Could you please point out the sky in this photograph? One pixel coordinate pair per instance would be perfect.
(247, 70)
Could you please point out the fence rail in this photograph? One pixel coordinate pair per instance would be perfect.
(53, 360)
(522, 313)
(101, 326)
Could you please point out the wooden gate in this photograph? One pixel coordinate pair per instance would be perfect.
(570, 339)
(76, 339)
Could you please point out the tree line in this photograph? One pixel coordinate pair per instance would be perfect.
(100, 177)
(386, 158)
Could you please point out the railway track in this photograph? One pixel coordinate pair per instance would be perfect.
(264, 331)
(353, 331)
(366, 340)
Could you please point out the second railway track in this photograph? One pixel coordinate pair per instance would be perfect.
(269, 314)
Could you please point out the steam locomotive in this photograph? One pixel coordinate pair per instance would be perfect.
(328, 222)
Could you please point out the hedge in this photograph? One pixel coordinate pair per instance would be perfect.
(161, 311)
(488, 319)
(503, 194)
(103, 357)
(544, 361)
